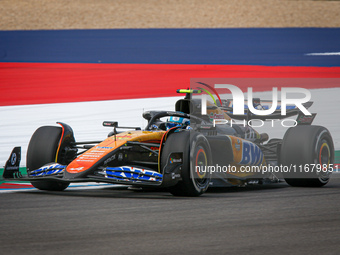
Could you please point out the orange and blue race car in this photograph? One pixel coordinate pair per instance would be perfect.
(183, 151)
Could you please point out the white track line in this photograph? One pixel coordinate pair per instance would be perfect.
(73, 186)
(324, 54)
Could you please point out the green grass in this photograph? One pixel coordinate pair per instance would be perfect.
(21, 169)
(337, 157)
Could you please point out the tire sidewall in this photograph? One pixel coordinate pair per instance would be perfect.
(323, 139)
(200, 148)
(187, 142)
(301, 147)
(42, 150)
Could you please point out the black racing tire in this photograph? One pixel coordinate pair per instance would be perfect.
(41, 150)
(310, 147)
(196, 151)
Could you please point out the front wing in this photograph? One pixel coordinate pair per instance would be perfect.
(129, 175)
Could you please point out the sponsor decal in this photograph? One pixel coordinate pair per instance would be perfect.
(52, 169)
(238, 145)
(175, 160)
(251, 154)
(216, 116)
(76, 168)
(124, 137)
(110, 159)
(104, 147)
(120, 156)
(13, 159)
(175, 176)
(305, 120)
(127, 173)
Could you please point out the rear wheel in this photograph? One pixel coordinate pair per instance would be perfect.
(41, 150)
(196, 159)
(310, 151)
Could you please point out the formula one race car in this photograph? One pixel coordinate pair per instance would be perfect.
(182, 150)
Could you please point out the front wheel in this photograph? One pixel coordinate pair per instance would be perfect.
(196, 160)
(309, 150)
(41, 150)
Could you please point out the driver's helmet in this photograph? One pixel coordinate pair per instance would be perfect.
(177, 122)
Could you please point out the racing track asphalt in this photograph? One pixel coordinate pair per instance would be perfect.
(274, 219)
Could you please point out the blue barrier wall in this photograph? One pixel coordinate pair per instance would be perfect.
(253, 46)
